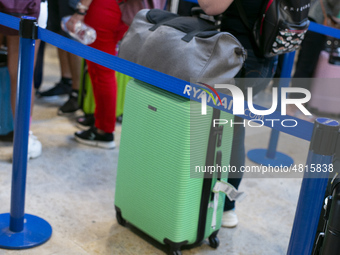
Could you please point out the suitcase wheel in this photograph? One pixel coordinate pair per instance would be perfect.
(177, 252)
(120, 219)
(214, 242)
(119, 119)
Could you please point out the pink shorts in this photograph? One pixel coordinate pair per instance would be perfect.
(18, 8)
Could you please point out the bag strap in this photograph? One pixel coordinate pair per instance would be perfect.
(324, 13)
(190, 35)
(328, 19)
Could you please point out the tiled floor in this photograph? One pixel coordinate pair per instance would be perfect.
(72, 186)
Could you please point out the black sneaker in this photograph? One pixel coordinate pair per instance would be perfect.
(86, 121)
(59, 89)
(91, 137)
(119, 119)
(7, 138)
(70, 106)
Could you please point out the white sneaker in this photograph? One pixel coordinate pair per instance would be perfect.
(229, 219)
(34, 146)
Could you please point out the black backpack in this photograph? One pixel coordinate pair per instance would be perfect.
(281, 26)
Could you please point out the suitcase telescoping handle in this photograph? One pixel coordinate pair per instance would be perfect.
(215, 196)
(328, 241)
(207, 181)
(213, 157)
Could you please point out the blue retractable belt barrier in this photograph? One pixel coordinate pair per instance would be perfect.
(17, 229)
(324, 30)
(192, 1)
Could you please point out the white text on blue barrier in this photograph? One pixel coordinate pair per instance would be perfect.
(237, 103)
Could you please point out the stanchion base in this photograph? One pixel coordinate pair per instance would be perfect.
(259, 156)
(36, 232)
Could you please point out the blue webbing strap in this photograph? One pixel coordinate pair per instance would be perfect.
(9, 21)
(321, 29)
(303, 130)
(192, 1)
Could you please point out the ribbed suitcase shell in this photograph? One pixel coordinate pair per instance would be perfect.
(154, 189)
(6, 117)
(325, 87)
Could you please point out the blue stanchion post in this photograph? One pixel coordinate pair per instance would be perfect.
(313, 187)
(328, 241)
(271, 156)
(17, 229)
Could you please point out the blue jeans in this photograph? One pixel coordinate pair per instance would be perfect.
(256, 68)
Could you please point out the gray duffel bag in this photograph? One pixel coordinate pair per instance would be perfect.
(188, 48)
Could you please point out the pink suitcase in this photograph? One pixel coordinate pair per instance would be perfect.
(325, 87)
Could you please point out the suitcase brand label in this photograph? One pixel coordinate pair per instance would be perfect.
(152, 108)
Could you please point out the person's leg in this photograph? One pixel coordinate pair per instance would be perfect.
(71, 105)
(64, 86)
(56, 10)
(38, 70)
(65, 68)
(34, 146)
(12, 64)
(237, 159)
(75, 66)
(104, 83)
(105, 93)
(308, 57)
(109, 31)
(36, 50)
(2, 39)
(104, 90)
(73, 63)
(256, 73)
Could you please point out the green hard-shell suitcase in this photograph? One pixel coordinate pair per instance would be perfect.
(86, 98)
(164, 136)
